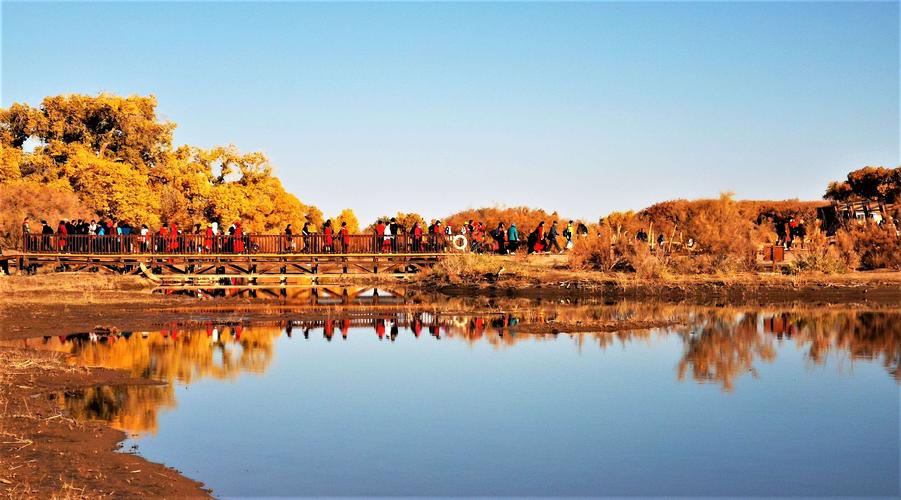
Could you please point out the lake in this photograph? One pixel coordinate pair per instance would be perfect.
(416, 401)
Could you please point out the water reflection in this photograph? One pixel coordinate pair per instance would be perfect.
(299, 294)
(720, 345)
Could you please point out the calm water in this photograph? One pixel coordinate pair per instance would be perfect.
(735, 402)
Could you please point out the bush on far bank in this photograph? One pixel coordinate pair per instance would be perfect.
(725, 242)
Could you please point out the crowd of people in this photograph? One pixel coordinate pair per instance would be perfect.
(474, 236)
(81, 235)
(388, 236)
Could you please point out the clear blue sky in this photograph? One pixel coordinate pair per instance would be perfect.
(579, 107)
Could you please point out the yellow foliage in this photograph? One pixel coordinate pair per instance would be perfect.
(347, 215)
(114, 190)
(118, 158)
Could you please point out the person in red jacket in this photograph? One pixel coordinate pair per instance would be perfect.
(208, 240)
(539, 238)
(345, 237)
(62, 233)
(329, 235)
(239, 238)
(379, 235)
(173, 238)
(416, 234)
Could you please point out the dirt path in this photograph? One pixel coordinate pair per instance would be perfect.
(46, 454)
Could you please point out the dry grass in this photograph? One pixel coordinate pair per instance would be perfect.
(73, 288)
(468, 267)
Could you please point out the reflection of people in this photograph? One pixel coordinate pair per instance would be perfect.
(329, 330)
(345, 326)
(380, 328)
(416, 326)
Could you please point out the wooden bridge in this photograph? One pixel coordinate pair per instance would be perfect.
(197, 259)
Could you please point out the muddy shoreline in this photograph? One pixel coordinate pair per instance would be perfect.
(46, 454)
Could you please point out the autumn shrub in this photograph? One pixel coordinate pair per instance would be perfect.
(36, 201)
(821, 256)
(879, 247)
(597, 252)
(606, 251)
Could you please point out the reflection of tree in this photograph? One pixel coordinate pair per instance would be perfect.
(863, 335)
(182, 355)
(171, 355)
(720, 350)
(129, 408)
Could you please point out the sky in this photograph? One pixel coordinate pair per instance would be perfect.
(582, 108)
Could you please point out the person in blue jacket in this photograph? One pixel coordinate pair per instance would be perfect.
(512, 239)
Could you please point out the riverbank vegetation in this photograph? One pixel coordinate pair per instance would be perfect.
(723, 236)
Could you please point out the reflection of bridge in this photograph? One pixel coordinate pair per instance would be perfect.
(257, 258)
(314, 295)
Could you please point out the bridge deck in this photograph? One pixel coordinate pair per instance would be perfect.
(246, 256)
(221, 265)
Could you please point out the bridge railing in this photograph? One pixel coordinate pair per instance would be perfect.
(248, 244)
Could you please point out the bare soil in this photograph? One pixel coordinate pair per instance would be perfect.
(45, 454)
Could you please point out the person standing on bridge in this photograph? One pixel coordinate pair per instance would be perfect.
(173, 238)
(305, 233)
(416, 235)
(239, 238)
(46, 235)
(344, 234)
(26, 235)
(329, 236)
(208, 239)
(394, 227)
(61, 235)
(387, 240)
(436, 235)
(289, 239)
(379, 235)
